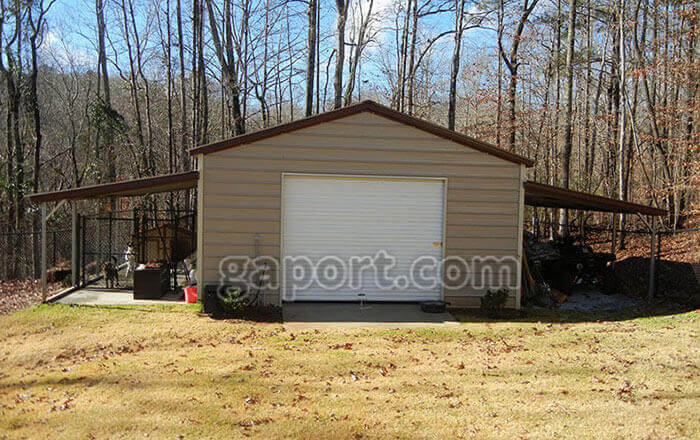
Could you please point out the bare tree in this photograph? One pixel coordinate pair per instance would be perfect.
(452, 97)
(185, 161)
(312, 13)
(12, 74)
(224, 50)
(513, 63)
(342, 16)
(105, 133)
(566, 153)
(359, 46)
(403, 54)
(37, 21)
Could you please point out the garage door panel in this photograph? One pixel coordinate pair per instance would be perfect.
(357, 217)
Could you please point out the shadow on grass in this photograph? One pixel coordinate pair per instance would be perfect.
(556, 316)
(150, 308)
(262, 314)
(273, 314)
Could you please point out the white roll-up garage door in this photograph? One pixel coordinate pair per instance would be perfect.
(333, 227)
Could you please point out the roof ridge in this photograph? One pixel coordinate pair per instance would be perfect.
(364, 106)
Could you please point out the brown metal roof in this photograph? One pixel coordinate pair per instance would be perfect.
(538, 194)
(147, 185)
(365, 106)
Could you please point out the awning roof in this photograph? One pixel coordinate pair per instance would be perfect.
(538, 194)
(147, 185)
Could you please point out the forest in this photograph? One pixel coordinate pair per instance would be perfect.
(603, 94)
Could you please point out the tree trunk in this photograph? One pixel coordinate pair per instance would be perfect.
(566, 153)
(36, 27)
(357, 56)
(499, 79)
(621, 145)
(412, 59)
(454, 72)
(512, 63)
(342, 15)
(311, 57)
(184, 141)
(225, 54)
(106, 96)
(403, 58)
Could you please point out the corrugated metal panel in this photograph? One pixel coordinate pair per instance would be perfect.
(355, 217)
(478, 204)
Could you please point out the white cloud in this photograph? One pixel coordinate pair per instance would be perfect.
(57, 49)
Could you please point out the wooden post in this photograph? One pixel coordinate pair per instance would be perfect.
(82, 249)
(613, 242)
(53, 250)
(652, 260)
(44, 287)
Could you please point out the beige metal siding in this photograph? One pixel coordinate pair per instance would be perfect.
(240, 189)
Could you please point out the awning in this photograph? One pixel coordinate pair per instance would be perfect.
(538, 194)
(147, 185)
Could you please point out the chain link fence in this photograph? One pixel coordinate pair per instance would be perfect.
(128, 238)
(105, 239)
(20, 253)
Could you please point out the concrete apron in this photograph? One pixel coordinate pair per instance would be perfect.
(104, 297)
(323, 315)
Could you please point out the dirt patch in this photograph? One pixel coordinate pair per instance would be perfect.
(681, 247)
(590, 301)
(19, 294)
(676, 281)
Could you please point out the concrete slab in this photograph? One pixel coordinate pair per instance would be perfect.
(303, 315)
(108, 297)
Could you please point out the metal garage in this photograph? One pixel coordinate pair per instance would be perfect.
(354, 182)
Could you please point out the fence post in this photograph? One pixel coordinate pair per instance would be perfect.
(173, 247)
(652, 260)
(53, 261)
(110, 245)
(5, 259)
(82, 249)
(44, 288)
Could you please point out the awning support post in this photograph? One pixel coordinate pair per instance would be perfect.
(652, 260)
(44, 289)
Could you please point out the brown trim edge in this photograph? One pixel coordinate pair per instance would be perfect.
(567, 198)
(163, 183)
(364, 106)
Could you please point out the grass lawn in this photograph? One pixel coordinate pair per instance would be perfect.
(169, 372)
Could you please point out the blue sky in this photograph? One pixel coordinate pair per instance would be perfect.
(71, 36)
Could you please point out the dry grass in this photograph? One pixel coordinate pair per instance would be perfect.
(171, 373)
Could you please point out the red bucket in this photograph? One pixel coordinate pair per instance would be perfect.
(190, 295)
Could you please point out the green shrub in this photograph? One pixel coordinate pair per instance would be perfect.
(234, 299)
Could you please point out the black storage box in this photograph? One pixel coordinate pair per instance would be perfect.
(151, 283)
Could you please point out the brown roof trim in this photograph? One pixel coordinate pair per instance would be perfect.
(147, 185)
(364, 106)
(539, 194)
